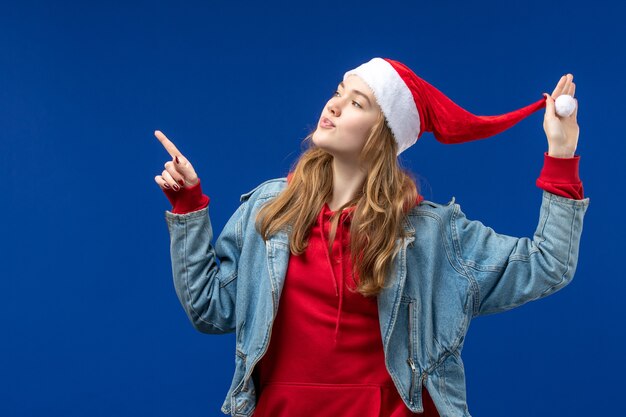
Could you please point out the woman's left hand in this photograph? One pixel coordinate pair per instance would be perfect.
(562, 132)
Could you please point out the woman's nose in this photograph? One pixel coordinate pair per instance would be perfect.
(334, 108)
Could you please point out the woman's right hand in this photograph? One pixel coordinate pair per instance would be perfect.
(178, 172)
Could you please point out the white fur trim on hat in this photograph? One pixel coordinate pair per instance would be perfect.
(394, 98)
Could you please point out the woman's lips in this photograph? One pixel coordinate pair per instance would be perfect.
(326, 123)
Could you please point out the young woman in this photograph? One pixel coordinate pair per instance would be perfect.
(351, 295)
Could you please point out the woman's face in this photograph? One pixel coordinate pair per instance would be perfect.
(347, 119)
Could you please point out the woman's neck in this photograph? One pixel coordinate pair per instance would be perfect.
(347, 181)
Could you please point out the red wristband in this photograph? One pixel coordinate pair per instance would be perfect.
(187, 199)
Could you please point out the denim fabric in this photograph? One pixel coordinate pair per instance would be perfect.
(448, 271)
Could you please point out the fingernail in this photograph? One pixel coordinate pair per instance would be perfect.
(177, 161)
(176, 187)
(166, 185)
(181, 182)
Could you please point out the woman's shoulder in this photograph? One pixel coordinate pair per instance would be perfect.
(266, 189)
(428, 207)
(425, 204)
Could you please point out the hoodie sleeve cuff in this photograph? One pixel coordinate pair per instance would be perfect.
(186, 199)
(560, 176)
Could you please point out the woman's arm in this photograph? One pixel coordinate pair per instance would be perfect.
(508, 271)
(206, 290)
(204, 275)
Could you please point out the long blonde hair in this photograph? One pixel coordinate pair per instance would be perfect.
(377, 221)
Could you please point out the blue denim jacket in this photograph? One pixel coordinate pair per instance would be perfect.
(448, 271)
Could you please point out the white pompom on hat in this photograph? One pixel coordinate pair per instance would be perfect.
(412, 107)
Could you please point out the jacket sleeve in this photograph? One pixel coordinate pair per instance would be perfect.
(207, 290)
(507, 272)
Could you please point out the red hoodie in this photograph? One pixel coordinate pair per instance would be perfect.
(326, 351)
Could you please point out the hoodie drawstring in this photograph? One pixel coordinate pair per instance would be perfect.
(339, 284)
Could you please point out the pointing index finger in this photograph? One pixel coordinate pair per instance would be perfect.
(167, 144)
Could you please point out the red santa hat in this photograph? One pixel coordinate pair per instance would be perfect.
(412, 107)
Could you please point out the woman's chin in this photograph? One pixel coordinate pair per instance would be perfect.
(318, 142)
(322, 145)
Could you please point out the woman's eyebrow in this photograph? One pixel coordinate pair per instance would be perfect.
(357, 92)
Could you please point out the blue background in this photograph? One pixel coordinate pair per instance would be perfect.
(90, 323)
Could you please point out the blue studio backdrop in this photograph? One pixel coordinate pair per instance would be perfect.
(90, 323)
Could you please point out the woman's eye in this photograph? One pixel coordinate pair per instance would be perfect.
(336, 93)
